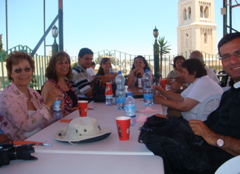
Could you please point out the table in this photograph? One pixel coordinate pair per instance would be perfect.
(64, 157)
(58, 163)
(106, 118)
(136, 92)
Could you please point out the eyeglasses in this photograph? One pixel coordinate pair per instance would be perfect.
(88, 59)
(226, 57)
(19, 70)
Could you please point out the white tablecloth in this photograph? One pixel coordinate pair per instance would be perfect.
(106, 156)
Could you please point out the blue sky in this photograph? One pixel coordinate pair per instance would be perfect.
(124, 25)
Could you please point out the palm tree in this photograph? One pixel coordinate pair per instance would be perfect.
(164, 48)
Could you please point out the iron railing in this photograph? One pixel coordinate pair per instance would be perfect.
(120, 61)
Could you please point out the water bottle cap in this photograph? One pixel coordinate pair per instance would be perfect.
(146, 70)
(119, 72)
(129, 94)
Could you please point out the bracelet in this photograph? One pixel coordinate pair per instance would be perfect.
(46, 107)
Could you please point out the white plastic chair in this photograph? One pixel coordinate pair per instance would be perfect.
(215, 99)
(231, 166)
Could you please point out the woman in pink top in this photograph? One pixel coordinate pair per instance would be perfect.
(22, 110)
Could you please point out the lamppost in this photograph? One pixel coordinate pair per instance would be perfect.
(156, 54)
(55, 35)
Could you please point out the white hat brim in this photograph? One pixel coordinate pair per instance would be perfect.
(61, 136)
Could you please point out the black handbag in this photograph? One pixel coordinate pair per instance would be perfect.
(181, 150)
(99, 91)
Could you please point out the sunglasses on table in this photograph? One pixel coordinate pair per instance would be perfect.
(19, 70)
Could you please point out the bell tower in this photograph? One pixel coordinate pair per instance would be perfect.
(196, 26)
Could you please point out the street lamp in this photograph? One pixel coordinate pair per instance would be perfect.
(55, 35)
(156, 54)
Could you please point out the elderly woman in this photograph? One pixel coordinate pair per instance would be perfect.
(22, 109)
(59, 72)
(201, 87)
(138, 69)
(105, 69)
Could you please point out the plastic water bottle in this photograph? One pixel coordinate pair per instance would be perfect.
(120, 91)
(130, 108)
(57, 112)
(147, 88)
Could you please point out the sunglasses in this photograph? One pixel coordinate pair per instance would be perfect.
(19, 70)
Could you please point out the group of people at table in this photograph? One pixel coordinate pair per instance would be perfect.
(24, 111)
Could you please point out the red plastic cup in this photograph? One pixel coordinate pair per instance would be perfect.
(123, 126)
(108, 90)
(83, 107)
(163, 83)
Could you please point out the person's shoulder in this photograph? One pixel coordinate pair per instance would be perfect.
(49, 84)
(8, 90)
(77, 69)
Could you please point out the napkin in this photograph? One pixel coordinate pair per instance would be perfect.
(141, 119)
(148, 110)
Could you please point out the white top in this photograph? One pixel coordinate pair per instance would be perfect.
(91, 73)
(212, 75)
(199, 90)
(37, 129)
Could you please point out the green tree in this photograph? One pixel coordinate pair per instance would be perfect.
(164, 48)
(3, 54)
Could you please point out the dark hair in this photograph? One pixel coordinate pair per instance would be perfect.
(50, 71)
(227, 38)
(194, 66)
(144, 61)
(103, 61)
(93, 63)
(14, 58)
(84, 51)
(176, 59)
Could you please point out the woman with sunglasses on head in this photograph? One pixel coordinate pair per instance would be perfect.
(23, 108)
(59, 72)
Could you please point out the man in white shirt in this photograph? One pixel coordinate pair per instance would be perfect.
(90, 72)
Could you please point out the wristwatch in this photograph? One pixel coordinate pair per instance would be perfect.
(220, 142)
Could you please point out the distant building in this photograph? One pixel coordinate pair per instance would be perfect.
(196, 26)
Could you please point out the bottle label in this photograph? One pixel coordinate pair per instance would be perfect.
(56, 105)
(130, 110)
(120, 100)
(148, 96)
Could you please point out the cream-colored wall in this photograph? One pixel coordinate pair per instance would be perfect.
(196, 27)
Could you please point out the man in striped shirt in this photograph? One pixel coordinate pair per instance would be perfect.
(80, 83)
